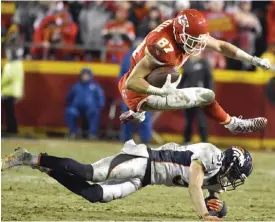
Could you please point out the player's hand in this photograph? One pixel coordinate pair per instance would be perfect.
(211, 218)
(262, 63)
(215, 204)
(169, 87)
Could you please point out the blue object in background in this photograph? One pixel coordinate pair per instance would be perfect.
(86, 98)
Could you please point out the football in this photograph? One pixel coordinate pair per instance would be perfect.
(158, 76)
(220, 214)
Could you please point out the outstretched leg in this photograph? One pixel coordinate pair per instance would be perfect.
(77, 185)
(103, 192)
(205, 98)
(119, 167)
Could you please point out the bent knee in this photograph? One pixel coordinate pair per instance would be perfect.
(208, 96)
(93, 194)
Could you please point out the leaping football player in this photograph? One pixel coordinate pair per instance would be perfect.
(198, 166)
(171, 44)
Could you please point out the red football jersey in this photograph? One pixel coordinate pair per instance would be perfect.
(160, 46)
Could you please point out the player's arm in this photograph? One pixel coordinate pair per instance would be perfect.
(195, 190)
(231, 51)
(136, 80)
(154, 57)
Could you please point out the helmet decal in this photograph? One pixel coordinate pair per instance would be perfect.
(182, 19)
(237, 153)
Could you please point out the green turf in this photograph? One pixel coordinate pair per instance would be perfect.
(30, 195)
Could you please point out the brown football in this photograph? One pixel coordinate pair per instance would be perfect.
(158, 76)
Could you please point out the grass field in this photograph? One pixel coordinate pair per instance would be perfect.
(30, 195)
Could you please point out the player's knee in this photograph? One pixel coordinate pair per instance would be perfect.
(93, 194)
(88, 172)
(208, 96)
(136, 182)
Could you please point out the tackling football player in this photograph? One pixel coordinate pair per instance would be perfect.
(171, 44)
(198, 166)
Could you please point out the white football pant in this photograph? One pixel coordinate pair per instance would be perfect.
(123, 180)
(180, 99)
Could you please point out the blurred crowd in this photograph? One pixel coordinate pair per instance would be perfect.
(106, 30)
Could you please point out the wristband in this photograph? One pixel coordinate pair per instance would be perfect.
(243, 56)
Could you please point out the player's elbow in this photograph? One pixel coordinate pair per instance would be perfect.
(222, 46)
(130, 83)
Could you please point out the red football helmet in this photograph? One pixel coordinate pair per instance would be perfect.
(191, 31)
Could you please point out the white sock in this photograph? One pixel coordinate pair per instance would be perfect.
(231, 123)
(34, 159)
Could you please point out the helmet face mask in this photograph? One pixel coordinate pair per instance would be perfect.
(231, 179)
(193, 45)
(191, 31)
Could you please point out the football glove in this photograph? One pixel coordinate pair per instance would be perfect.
(262, 63)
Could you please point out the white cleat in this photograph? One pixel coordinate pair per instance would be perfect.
(19, 158)
(239, 125)
(130, 116)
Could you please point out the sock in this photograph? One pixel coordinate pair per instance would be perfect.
(216, 112)
(91, 192)
(85, 171)
(34, 159)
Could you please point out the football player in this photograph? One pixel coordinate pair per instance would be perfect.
(171, 44)
(198, 166)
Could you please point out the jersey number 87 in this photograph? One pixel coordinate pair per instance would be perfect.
(165, 45)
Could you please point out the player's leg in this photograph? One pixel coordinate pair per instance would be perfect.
(118, 189)
(199, 97)
(180, 99)
(78, 185)
(121, 166)
(103, 192)
(23, 157)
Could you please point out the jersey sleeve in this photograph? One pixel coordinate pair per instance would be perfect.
(157, 54)
(210, 156)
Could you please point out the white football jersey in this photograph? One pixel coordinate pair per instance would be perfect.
(171, 162)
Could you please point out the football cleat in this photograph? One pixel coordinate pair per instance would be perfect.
(131, 116)
(19, 158)
(239, 125)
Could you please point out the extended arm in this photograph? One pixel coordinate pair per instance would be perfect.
(231, 51)
(195, 190)
(136, 81)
